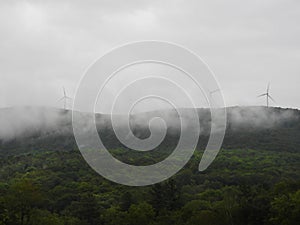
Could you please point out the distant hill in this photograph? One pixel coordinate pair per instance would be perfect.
(27, 129)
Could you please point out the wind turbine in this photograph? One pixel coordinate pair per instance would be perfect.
(211, 100)
(267, 94)
(65, 98)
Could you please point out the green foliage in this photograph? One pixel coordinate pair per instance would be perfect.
(44, 217)
(285, 209)
(142, 213)
(252, 187)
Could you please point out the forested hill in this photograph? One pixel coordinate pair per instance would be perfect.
(27, 129)
(254, 180)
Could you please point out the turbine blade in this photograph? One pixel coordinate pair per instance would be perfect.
(211, 92)
(64, 91)
(268, 88)
(61, 99)
(262, 95)
(271, 98)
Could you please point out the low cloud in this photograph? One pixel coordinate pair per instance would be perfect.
(21, 122)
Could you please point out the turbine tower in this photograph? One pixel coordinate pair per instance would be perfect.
(267, 94)
(65, 98)
(211, 101)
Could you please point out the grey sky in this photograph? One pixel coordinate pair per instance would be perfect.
(47, 44)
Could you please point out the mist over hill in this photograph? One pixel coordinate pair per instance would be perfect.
(24, 129)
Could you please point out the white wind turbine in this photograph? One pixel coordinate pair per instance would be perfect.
(267, 94)
(211, 94)
(65, 99)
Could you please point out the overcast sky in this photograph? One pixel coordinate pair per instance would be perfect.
(47, 44)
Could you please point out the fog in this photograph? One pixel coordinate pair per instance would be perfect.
(20, 122)
(259, 117)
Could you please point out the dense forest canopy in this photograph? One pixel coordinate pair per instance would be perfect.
(255, 178)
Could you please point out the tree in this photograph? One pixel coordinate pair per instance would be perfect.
(86, 209)
(44, 217)
(126, 201)
(285, 209)
(165, 196)
(23, 196)
(142, 213)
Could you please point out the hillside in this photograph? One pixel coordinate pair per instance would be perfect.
(41, 129)
(255, 179)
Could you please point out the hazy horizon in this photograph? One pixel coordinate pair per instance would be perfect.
(47, 45)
